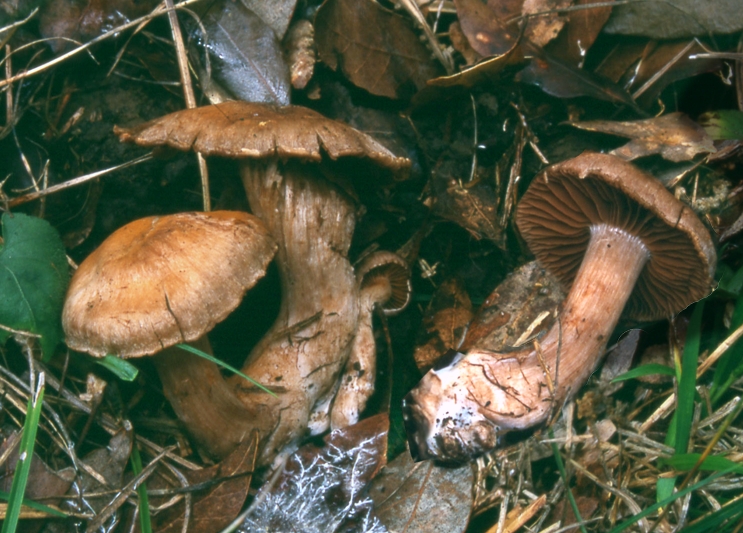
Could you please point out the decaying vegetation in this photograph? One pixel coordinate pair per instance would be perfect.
(383, 146)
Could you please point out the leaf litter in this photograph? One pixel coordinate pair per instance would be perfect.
(476, 159)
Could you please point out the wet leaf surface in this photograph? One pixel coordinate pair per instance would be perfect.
(276, 14)
(422, 497)
(245, 53)
(376, 49)
(674, 136)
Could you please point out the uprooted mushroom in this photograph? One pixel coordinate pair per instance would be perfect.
(622, 242)
(160, 281)
(310, 211)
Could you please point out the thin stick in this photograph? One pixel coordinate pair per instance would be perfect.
(188, 94)
(83, 47)
(75, 181)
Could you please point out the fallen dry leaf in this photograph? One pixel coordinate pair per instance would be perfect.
(444, 323)
(473, 207)
(215, 506)
(483, 28)
(546, 22)
(582, 29)
(375, 48)
(423, 497)
(674, 136)
(517, 310)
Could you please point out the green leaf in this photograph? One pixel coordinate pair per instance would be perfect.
(33, 279)
(124, 370)
(687, 384)
(645, 370)
(723, 124)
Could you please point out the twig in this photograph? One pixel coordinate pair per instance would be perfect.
(188, 94)
(75, 181)
(85, 46)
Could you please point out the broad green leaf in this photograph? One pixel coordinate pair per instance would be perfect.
(33, 279)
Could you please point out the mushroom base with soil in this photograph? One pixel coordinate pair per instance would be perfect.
(459, 410)
(623, 243)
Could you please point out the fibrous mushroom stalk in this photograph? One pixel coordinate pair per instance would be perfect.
(458, 411)
(304, 352)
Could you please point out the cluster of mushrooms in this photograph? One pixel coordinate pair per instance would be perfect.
(161, 281)
(609, 231)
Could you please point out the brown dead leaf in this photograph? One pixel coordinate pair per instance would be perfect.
(44, 484)
(423, 497)
(375, 48)
(544, 27)
(646, 68)
(324, 489)
(483, 28)
(582, 29)
(472, 207)
(674, 136)
(481, 73)
(83, 20)
(461, 44)
(445, 321)
(215, 506)
(517, 310)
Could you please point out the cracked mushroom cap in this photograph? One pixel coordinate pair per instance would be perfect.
(257, 131)
(565, 200)
(159, 281)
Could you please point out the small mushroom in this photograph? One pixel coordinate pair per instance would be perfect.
(384, 283)
(310, 211)
(622, 242)
(160, 281)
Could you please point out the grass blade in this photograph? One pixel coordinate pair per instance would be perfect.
(145, 520)
(25, 455)
(216, 361)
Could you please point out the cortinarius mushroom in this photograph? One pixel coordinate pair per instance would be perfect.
(384, 282)
(160, 281)
(624, 243)
(309, 211)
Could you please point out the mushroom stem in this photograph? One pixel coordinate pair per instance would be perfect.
(303, 353)
(461, 408)
(204, 403)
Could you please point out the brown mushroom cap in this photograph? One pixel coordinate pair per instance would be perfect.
(564, 201)
(386, 275)
(255, 130)
(159, 281)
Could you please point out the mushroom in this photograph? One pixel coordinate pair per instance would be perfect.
(384, 283)
(160, 281)
(623, 242)
(310, 211)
